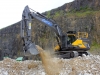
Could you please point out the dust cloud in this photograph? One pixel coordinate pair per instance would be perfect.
(51, 66)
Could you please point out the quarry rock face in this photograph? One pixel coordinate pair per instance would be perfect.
(78, 4)
(10, 39)
(94, 4)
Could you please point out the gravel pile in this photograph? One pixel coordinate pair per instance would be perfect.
(86, 65)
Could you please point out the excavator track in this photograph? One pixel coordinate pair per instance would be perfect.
(72, 54)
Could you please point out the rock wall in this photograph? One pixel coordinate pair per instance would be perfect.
(11, 43)
(78, 4)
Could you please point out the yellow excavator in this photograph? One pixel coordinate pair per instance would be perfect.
(75, 39)
(70, 44)
(80, 43)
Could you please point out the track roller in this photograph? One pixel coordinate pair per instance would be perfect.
(74, 54)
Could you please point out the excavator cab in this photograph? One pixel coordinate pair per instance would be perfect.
(71, 37)
(78, 39)
(82, 35)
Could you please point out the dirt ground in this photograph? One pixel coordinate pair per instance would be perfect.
(86, 65)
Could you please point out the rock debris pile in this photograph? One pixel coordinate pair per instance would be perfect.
(86, 65)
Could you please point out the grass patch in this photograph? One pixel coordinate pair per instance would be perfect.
(95, 45)
(82, 12)
(59, 13)
(48, 14)
(95, 48)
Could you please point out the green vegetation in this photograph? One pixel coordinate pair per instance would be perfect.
(95, 48)
(86, 8)
(82, 12)
(95, 44)
(48, 14)
(58, 13)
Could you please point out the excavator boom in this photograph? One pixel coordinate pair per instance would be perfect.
(27, 17)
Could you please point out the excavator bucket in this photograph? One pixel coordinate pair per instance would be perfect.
(32, 50)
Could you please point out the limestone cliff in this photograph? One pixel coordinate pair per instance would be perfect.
(79, 15)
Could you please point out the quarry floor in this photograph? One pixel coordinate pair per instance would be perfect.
(85, 65)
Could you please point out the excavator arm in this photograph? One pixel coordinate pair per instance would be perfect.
(27, 17)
